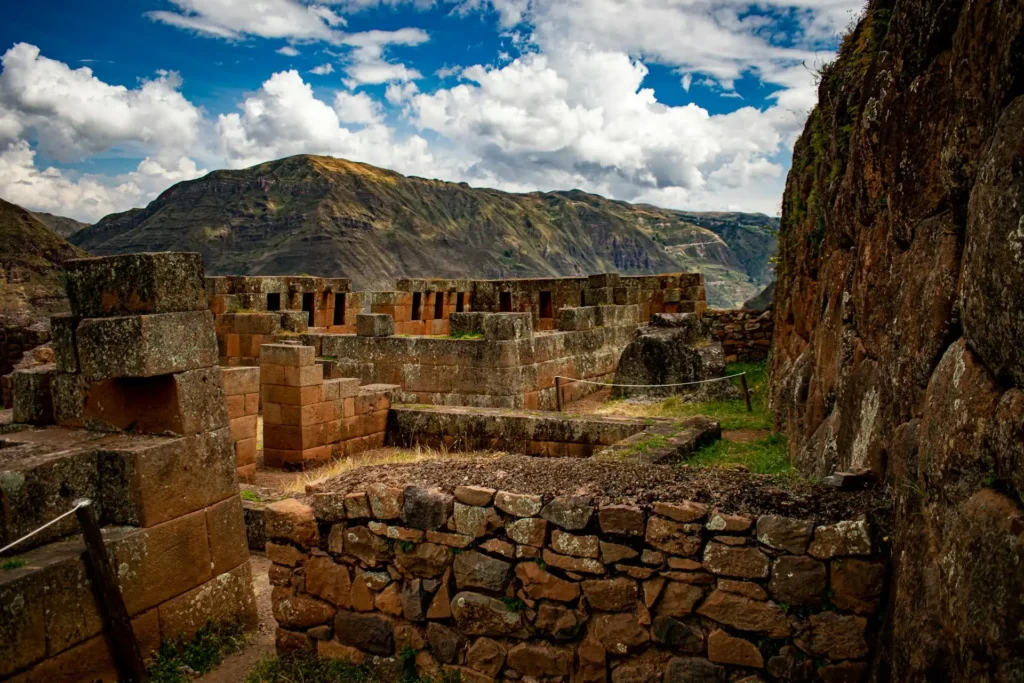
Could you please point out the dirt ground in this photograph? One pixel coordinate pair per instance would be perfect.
(236, 667)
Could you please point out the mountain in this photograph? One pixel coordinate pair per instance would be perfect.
(327, 216)
(62, 225)
(31, 265)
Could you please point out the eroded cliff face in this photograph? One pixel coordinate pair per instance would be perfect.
(899, 316)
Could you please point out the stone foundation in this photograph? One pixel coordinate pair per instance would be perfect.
(745, 335)
(490, 585)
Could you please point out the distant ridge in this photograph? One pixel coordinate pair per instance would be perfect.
(327, 216)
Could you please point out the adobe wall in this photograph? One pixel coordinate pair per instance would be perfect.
(489, 585)
(133, 416)
(509, 368)
(745, 335)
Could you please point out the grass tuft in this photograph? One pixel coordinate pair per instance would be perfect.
(180, 662)
(251, 496)
(307, 668)
(13, 563)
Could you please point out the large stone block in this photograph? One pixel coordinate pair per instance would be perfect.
(507, 326)
(575, 319)
(146, 345)
(33, 403)
(226, 598)
(166, 282)
(147, 480)
(62, 336)
(466, 323)
(375, 325)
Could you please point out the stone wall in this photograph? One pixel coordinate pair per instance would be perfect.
(15, 341)
(745, 335)
(138, 352)
(492, 585)
(316, 297)
(240, 335)
(507, 367)
(242, 393)
(307, 419)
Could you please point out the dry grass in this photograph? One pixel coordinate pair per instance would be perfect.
(380, 456)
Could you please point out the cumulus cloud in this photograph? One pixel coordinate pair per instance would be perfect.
(357, 108)
(266, 19)
(322, 70)
(367, 63)
(287, 51)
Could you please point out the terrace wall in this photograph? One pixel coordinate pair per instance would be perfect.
(489, 585)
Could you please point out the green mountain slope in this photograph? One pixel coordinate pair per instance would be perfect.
(62, 225)
(31, 266)
(326, 216)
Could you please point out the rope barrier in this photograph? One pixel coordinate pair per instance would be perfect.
(651, 386)
(78, 504)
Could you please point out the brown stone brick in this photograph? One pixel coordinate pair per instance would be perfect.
(226, 598)
(295, 611)
(236, 406)
(294, 396)
(243, 428)
(271, 413)
(245, 452)
(329, 581)
(280, 457)
(241, 381)
(149, 480)
(304, 376)
(155, 564)
(287, 354)
(246, 473)
(271, 373)
(252, 403)
(292, 521)
(726, 649)
(225, 524)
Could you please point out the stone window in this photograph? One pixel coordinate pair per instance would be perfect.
(307, 306)
(460, 302)
(339, 308)
(438, 305)
(274, 301)
(416, 301)
(505, 302)
(583, 297)
(546, 309)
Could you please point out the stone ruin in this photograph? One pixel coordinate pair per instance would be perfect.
(132, 415)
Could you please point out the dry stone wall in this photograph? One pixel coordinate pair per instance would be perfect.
(491, 585)
(745, 335)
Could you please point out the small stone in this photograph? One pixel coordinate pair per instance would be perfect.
(621, 520)
(336, 539)
(744, 588)
(693, 578)
(292, 521)
(414, 600)
(675, 538)
(474, 521)
(584, 565)
(568, 513)
(395, 533)
(451, 540)
(479, 615)
(576, 546)
(298, 611)
(287, 555)
(744, 614)
(687, 511)
(843, 672)
(613, 552)
(425, 560)
(790, 665)
(652, 557)
(445, 643)
(834, 636)
(474, 495)
(683, 564)
(784, 533)
(440, 606)
(540, 584)
(530, 531)
(385, 501)
(678, 599)
(640, 573)
(591, 666)
(321, 632)
(427, 510)
(694, 670)
(329, 507)
(857, 585)
(371, 633)
(499, 547)
(476, 570)
(361, 596)
(367, 546)
(389, 600)
(517, 504)
(678, 636)
(652, 590)
(726, 649)
(730, 523)
(486, 656)
(329, 581)
(744, 563)
(611, 595)
(798, 580)
(841, 539)
(731, 540)
(558, 622)
(539, 660)
(619, 633)
(357, 506)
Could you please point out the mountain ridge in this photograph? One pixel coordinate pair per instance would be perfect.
(328, 216)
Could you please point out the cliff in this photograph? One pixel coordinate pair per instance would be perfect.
(899, 316)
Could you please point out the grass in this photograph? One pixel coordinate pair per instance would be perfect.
(763, 455)
(13, 563)
(180, 662)
(466, 335)
(307, 669)
(380, 456)
(251, 496)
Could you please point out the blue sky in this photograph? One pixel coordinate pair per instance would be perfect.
(683, 103)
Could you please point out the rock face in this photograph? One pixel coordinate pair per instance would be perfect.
(675, 348)
(899, 313)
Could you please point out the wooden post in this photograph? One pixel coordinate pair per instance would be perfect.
(746, 392)
(121, 640)
(558, 392)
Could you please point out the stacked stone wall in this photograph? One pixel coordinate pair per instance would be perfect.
(15, 341)
(745, 335)
(242, 394)
(138, 352)
(491, 585)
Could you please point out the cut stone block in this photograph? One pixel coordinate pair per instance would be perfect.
(375, 325)
(601, 280)
(62, 337)
(291, 355)
(294, 321)
(146, 345)
(33, 403)
(508, 326)
(165, 282)
(571, 319)
(466, 323)
(149, 480)
(240, 380)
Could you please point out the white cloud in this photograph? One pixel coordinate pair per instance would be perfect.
(367, 64)
(266, 19)
(322, 70)
(287, 51)
(74, 114)
(357, 108)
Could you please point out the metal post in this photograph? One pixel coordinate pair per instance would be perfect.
(746, 392)
(558, 392)
(121, 640)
